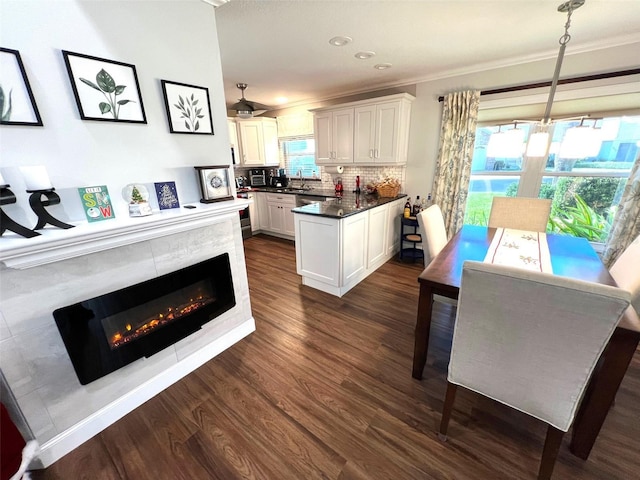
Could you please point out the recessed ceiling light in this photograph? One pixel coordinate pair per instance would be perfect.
(382, 66)
(340, 41)
(281, 100)
(365, 55)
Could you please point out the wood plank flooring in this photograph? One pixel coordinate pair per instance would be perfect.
(323, 389)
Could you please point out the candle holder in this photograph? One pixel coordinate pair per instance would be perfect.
(6, 222)
(38, 205)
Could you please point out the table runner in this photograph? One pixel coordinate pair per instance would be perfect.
(520, 248)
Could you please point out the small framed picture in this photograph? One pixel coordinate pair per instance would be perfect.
(188, 108)
(167, 195)
(105, 89)
(17, 104)
(214, 183)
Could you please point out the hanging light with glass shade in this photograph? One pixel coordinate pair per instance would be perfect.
(506, 144)
(539, 142)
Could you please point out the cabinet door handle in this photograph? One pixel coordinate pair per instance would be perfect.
(371, 153)
(376, 153)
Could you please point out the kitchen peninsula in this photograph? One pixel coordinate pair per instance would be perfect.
(343, 240)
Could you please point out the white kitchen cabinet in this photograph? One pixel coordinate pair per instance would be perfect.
(258, 139)
(334, 254)
(367, 132)
(281, 221)
(381, 132)
(263, 215)
(233, 133)
(334, 137)
(254, 211)
(377, 232)
(393, 226)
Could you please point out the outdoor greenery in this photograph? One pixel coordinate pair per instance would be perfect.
(581, 206)
(581, 221)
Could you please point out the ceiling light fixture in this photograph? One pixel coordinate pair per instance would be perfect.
(382, 66)
(364, 55)
(245, 108)
(539, 141)
(340, 41)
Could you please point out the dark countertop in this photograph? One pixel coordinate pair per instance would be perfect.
(349, 204)
(315, 192)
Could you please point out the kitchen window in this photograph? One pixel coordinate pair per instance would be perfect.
(585, 191)
(298, 154)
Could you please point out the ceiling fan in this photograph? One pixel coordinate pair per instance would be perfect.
(245, 108)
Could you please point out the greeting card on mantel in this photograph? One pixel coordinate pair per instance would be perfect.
(96, 203)
(167, 195)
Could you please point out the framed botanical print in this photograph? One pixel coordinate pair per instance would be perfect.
(214, 183)
(17, 104)
(188, 108)
(105, 90)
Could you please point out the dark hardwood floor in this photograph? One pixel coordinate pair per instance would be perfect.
(323, 389)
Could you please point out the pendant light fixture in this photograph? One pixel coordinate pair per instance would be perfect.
(539, 142)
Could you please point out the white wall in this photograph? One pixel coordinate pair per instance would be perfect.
(170, 39)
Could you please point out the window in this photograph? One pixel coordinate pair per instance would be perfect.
(585, 191)
(299, 156)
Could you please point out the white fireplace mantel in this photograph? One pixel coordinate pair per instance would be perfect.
(55, 244)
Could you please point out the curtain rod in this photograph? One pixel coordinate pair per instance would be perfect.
(586, 78)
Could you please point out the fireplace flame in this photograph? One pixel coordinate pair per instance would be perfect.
(172, 313)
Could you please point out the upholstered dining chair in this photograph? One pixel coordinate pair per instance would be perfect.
(434, 233)
(534, 356)
(520, 213)
(626, 272)
(434, 238)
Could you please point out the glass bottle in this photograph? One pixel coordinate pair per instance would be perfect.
(407, 208)
(416, 206)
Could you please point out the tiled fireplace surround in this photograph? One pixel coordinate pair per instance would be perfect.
(59, 411)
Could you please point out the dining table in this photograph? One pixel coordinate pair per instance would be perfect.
(569, 256)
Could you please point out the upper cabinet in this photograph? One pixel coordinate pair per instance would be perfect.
(258, 140)
(368, 132)
(334, 136)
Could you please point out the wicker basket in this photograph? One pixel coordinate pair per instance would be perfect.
(387, 190)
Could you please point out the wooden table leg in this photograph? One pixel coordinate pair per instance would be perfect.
(602, 390)
(423, 327)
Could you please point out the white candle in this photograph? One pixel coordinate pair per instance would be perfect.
(2, 182)
(36, 178)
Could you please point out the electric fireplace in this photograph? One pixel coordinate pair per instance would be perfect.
(108, 332)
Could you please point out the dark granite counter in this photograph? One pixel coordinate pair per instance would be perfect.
(314, 192)
(348, 204)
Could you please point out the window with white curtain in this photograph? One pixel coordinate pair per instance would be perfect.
(299, 156)
(585, 186)
(297, 145)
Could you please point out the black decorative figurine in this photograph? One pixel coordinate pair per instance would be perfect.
(38, 204)
(7, 223)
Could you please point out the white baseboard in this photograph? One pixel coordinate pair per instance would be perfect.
(61, 444)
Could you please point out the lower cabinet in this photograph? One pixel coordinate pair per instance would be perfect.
(274, 213)
(335, 254)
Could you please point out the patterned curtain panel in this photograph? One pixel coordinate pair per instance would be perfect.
(626, 223)
(453, 169)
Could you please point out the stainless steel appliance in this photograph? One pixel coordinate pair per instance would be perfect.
(245, 218)
(258, 177)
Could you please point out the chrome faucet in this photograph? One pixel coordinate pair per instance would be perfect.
(302, 184)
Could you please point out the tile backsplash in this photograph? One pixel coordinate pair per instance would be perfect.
(367, 174)
(327, 180)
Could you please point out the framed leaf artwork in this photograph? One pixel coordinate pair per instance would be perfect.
(188, 108)
(17, 105)
(105, 89)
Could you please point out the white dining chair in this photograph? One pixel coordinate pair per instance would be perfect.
(520, 213)
(434, 238)
(530, 340)
(626, 273)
